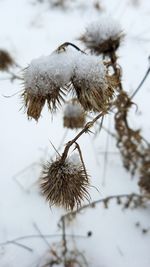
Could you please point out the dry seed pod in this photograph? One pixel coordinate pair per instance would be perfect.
(103, 36)
(64, 183)
(45, 80)
(94, 88)
(5, 60)
(74, 115)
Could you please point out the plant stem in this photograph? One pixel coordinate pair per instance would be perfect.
(84, 130)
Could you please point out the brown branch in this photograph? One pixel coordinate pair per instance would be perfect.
(82, 161)
(40, 233)
(84, 130)
(106, 199)
(64, 241)
(66, 44)
(104, 128)
(13, 242)
(8, 242)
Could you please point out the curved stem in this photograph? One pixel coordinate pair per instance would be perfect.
(131, 196)
(70, 44)
(141, 83)
(84, 130)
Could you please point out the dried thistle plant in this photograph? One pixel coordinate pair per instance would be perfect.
(128, 140)
(103, 36)
(72, 258)
(6, 60)
(74, 115)
(58, 3)
(64, 182)
(144, 182)
(45, 80)
(93, 86)
(134, 149)
(34, 102)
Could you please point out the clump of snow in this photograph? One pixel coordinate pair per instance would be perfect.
(73, 110)
(74, 158)
(48, 72)
(102, 30)
(73, 163)
(91, 70)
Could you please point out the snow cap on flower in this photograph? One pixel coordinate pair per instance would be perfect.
(45, 80)
(64, 183)
(103, 35)
(91, 83)
(74, 115)
(6, 60)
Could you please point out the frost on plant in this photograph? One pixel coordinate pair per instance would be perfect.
(103, 35)
(74, 115)
(45, 79)
(64, 183)
(48, 78)
(93, 86)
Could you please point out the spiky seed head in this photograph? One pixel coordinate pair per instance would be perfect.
(45, 80)
(65, 183)
(103, 36)
(74, 115)
(94, 88)
(5, 60)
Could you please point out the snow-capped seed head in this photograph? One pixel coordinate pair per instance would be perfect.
(92, 84)
(5, 60)
(74, 115)
(103, 35)
(45, 80)
(64, 183)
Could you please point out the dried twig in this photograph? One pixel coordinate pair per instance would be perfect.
(64, 241)
(38, 236)
(40, 233)
(142, 82)
(84, 130)
(139, 199)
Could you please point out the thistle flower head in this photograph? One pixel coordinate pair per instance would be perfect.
(5, 60)
(92, 85)
(103, 35)
(45, 79)
(74, 115)
(64, 183)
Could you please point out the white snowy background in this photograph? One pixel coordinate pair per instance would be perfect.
(29, 29)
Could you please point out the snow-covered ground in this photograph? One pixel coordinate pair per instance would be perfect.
(28, 30)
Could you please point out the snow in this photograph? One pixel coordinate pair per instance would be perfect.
(29, 30)
(74, 160)
(47, 72)
(91, 70)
